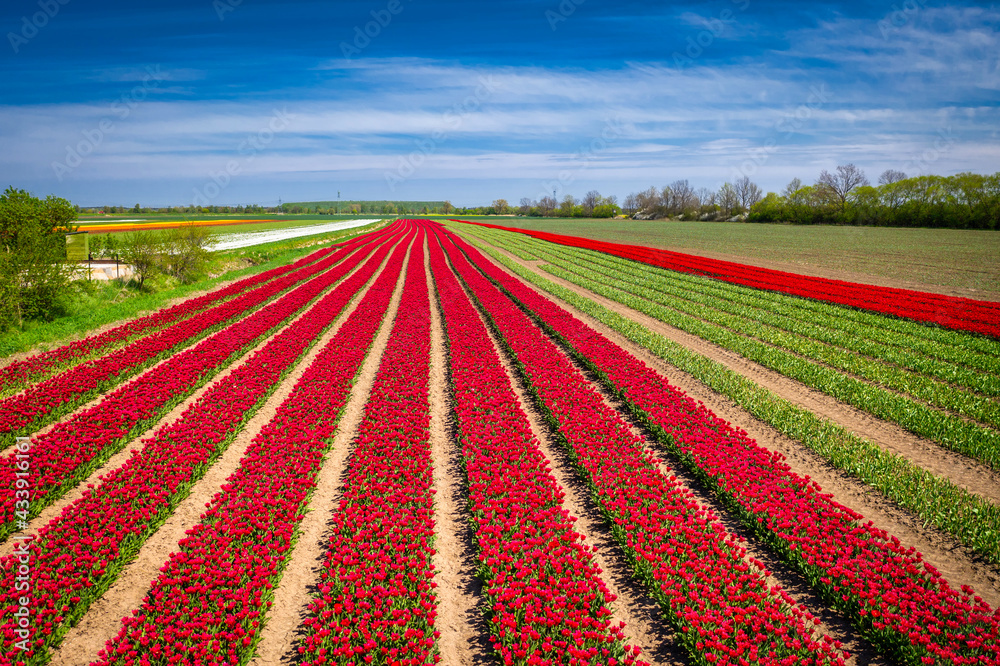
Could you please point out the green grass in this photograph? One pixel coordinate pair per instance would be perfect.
(938, 259)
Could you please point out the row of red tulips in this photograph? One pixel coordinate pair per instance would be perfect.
(20, 373)
(44, 402)
(547, 602)
(78, 555)
(73, 448)
(901, 602)
(710, 590)
(376, 602)
(949, 311)
(210, 600)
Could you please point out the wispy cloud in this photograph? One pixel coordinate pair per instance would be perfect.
(886, 96)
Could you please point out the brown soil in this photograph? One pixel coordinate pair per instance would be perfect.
(644, 626)
(103, 620)
(958, 564)
(461, 619)
(292, 596)
(957, 468)
(803, 268)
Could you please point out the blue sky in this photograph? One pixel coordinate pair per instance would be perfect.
(239, 101)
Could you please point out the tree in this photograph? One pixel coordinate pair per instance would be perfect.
(631, 204)
(33, 270)
(547, 205)
(747, 193)
(185, 252)
(794, 186)
(501, 206)
(526, 205)
(890, 176)
(679, 198)
(841, 184)
(446, 208)
(566, 207)
(140, 250)
(589, 201)
(728, 199)
(650, 202)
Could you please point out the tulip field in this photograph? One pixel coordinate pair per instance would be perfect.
(254, 472)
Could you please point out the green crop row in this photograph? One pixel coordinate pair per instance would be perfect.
(950, 431)
(824, 327)
(969, 518)
(754, 324)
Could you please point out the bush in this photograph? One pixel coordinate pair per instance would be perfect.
(33, 270)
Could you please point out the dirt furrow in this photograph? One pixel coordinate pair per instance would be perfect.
(960, 470)
(831, 622)
(103, 620)
(958, 564)
(461, 616)
(305, 561)
(644, 625)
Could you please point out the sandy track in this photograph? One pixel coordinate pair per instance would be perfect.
(958, 564)
(103, 620)
(292, 595)
(461, 616)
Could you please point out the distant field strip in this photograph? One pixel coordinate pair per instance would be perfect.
(231, 241)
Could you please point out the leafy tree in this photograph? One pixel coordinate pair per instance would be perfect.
(33, 270)
(185, 252)
(141, 250)
(501, 206)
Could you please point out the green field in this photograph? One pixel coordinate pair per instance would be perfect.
(954, 261)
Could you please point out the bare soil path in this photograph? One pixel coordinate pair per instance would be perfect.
(292, 596)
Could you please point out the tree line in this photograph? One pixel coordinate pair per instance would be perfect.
(844, 196)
